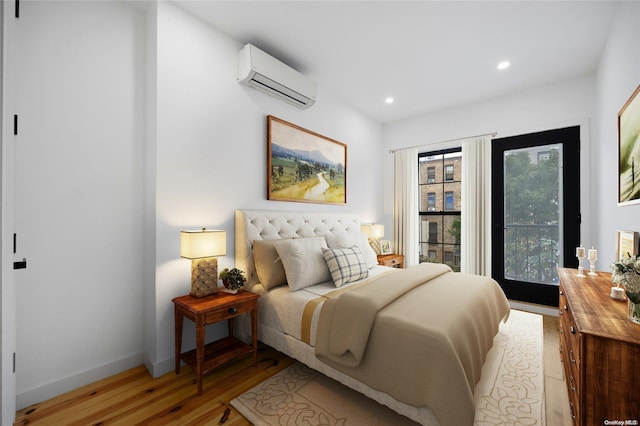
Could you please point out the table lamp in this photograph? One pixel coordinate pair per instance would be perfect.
(374, 232)
(202, 247)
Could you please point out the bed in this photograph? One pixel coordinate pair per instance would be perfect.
(311, 316)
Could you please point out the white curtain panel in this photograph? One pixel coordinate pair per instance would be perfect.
(476, 206)
(405, 205)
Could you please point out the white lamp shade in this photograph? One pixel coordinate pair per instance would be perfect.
(203, 243)
(373, 230)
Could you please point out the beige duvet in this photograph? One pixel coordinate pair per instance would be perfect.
(421, 335)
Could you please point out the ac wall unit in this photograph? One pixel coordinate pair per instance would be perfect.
(265, 73)
(431, 180)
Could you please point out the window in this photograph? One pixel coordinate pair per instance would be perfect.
(433, 232)
(431, 202)
(440, 192)
(448, 172)
(448, 200)
(544, 155)
(431, 174)
(448, 257)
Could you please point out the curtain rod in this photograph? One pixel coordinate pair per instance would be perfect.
(492, 134)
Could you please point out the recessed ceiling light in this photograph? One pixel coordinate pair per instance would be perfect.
(503, 65)
(389, 100)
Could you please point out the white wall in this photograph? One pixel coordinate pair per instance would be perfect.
(211, 154)
(564, 104)
(617, 78)
(135, 128)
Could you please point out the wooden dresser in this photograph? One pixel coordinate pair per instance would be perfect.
(599, 350)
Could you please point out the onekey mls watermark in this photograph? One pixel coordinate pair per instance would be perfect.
(627, 422)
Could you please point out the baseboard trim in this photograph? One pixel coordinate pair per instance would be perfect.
(58, 387)
(532, 307)
(160, 368)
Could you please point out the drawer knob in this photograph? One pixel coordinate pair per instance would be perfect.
(565, 307)
(561, 292)
(233, 310)
(573, 330)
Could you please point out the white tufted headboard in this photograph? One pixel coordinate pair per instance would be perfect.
(254, 225)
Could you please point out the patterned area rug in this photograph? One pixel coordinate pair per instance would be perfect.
(513, 395)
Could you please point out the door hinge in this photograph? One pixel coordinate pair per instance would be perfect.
(15, 243)
(17, 11)
(14, 362)
(15, 124)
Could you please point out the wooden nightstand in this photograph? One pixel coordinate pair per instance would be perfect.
(208, 310)
(393, 260)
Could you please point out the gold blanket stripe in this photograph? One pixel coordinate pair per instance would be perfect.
(310, 307)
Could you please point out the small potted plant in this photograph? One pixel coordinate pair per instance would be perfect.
(233, 279)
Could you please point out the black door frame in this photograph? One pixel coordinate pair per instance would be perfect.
(542, 294)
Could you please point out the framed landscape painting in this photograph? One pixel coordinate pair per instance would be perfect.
(304, 166)
(629, 151)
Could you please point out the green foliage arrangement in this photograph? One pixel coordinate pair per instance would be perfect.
(626, 272)
(233, 279)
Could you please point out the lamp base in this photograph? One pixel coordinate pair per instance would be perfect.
(375, 245)
(204, 277)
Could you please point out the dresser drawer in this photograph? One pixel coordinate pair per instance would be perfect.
(570, 355)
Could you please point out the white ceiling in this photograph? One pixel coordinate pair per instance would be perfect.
(428, 55)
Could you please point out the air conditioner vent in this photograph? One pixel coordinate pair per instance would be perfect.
(265, 73)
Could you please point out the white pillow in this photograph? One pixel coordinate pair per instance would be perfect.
(268, 265)
(303, 262)
(350, 239)
(345, 264)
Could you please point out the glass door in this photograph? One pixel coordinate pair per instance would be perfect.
(535, 212)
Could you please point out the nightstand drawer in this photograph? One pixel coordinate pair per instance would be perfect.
(229, 311)
(392, 260)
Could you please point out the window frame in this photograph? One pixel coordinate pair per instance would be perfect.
(443, 217)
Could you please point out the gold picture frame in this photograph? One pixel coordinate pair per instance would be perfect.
(626, 244)
(304, 166)
(629, 151)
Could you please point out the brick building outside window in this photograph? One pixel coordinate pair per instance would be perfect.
(440, 185)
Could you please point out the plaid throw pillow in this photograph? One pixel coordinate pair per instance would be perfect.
(345, 264)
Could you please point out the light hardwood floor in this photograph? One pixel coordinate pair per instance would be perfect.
(556, 397)
(134, 398)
